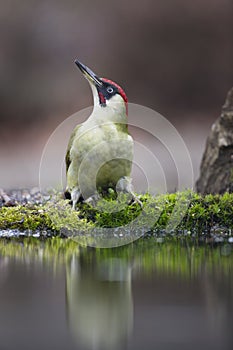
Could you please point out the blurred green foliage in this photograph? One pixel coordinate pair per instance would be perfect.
(181, 257)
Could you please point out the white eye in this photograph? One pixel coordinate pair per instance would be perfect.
(110, 90)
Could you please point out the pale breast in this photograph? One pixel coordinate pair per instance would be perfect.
(103, 152)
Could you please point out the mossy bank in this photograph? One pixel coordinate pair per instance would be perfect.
(183, 212)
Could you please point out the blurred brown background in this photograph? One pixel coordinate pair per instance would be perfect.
(173, 56)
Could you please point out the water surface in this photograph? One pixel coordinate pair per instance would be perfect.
(147, 295)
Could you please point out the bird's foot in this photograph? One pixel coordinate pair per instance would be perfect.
(125, 185)
(75, 196)
(136, 199)
(92, 200)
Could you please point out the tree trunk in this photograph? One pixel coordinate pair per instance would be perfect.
(216, 173)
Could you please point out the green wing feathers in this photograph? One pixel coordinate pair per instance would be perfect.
(68, 159)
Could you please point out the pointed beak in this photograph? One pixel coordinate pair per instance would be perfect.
(89, 75)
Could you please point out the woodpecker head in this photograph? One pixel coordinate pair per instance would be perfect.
(106, 93)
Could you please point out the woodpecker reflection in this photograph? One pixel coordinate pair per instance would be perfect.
(99, 302)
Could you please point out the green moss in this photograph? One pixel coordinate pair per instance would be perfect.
(183, 211)
(208, 211)
(60, 215)
(23, 217)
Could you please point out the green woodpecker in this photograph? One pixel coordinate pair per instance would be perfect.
(100, 150)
